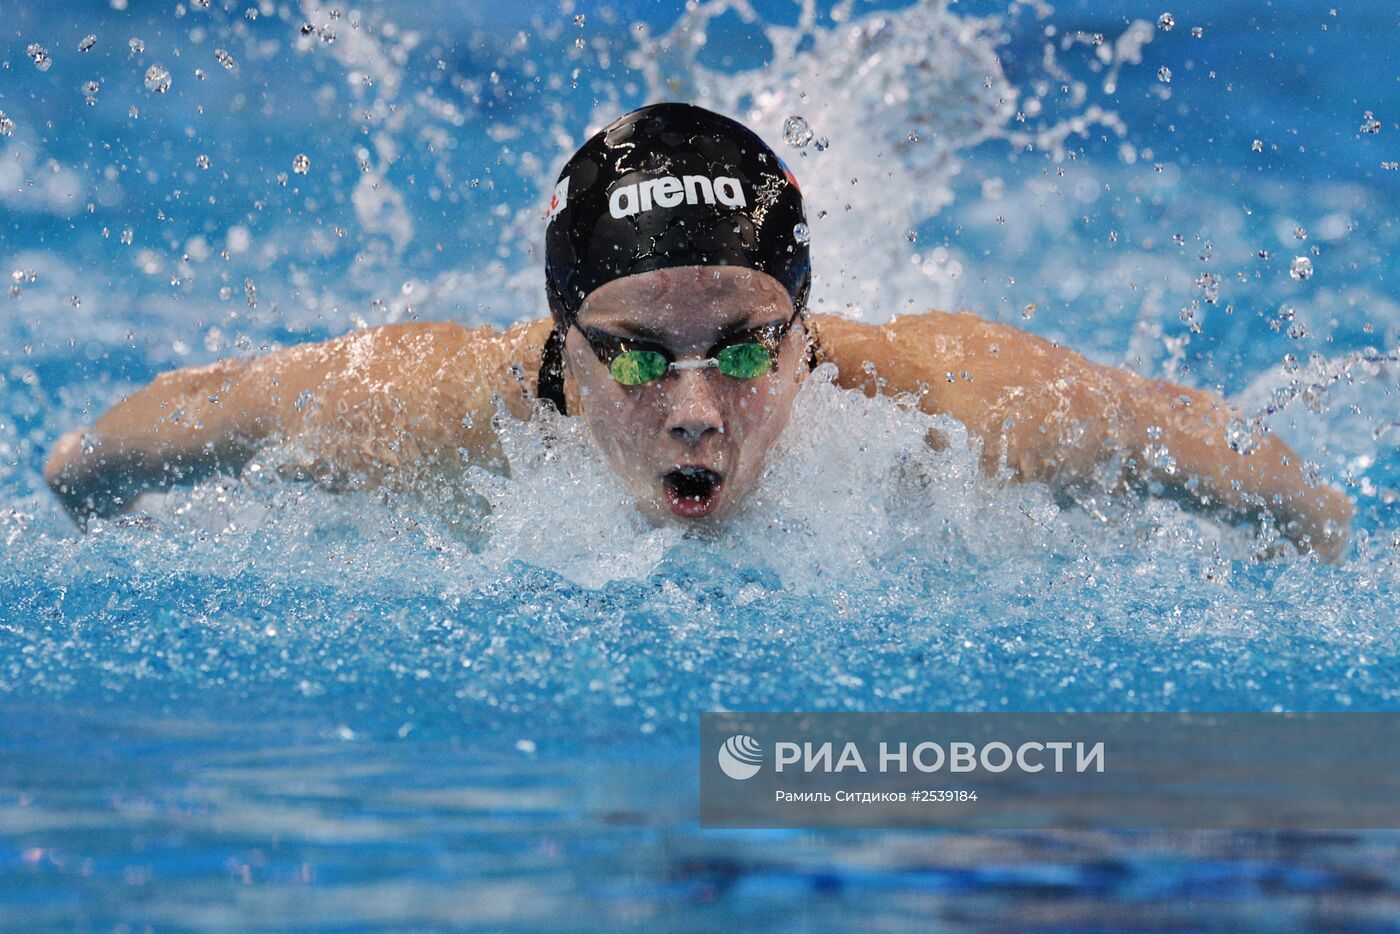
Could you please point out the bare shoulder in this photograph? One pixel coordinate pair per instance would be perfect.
(933, 353)
(983, 373)
(427, 359)
(413, 393)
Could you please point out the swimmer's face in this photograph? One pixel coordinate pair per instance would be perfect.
(693, 443)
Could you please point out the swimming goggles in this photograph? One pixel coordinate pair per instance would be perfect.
(636, 362)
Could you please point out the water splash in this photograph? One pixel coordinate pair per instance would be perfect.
(941, 91)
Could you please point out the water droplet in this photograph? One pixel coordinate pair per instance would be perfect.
(224, 58)
(911, 235)
(7, 126)
(157, 79)
(87, 43)
(796, 132)
(1257, 145)
(1300, 233)
(1210, 287)
(199, 73)
(1165, 22)
(821, 143)
(1164, 75)
(90, 89)
(136, 45)
(580, 20)
(39, 55)
(127, 236)
(202, 161)
(301, 164)
(1029, 311)
(1301, 268)
(1197, 32)
(250, 292)
(202, 4)
(1369, 123)
(1241, 437)
(802, 233)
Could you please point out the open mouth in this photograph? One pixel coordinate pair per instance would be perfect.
(692, 492)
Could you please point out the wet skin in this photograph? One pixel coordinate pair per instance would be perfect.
(697, 422)
(398, 405)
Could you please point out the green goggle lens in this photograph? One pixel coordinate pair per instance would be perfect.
(740, 361)
(744, 361)
(635, 367)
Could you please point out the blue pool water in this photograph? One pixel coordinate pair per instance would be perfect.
(258, 704)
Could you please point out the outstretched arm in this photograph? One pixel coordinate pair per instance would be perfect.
(368, 407)
(1050, 415)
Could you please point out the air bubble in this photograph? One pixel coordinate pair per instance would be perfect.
(7, 126)
(157, 79)
(202, 161)
(802, 233)
(797, 133)
(90, 89)
(1301, 268)
(1165, 22)
(136, 45)
(1300, 233)
(1369, 123)
(87, 43)
(1257, 145)
(301, 164)
(224, 58)
(1164, 75)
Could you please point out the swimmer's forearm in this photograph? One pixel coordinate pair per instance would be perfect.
(1182, 438)
(185, 425)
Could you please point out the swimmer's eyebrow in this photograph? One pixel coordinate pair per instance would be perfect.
(636, 329)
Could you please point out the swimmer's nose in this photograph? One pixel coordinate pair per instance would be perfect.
(694, 410)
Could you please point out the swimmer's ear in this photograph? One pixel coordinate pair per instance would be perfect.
(811, 349)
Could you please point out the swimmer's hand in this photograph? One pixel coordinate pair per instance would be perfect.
(1046, 414)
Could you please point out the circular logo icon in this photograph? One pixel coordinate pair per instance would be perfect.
(740, 757)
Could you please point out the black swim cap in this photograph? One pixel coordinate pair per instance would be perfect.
(672, 185)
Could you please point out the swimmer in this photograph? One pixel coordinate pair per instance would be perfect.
(680, 333)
